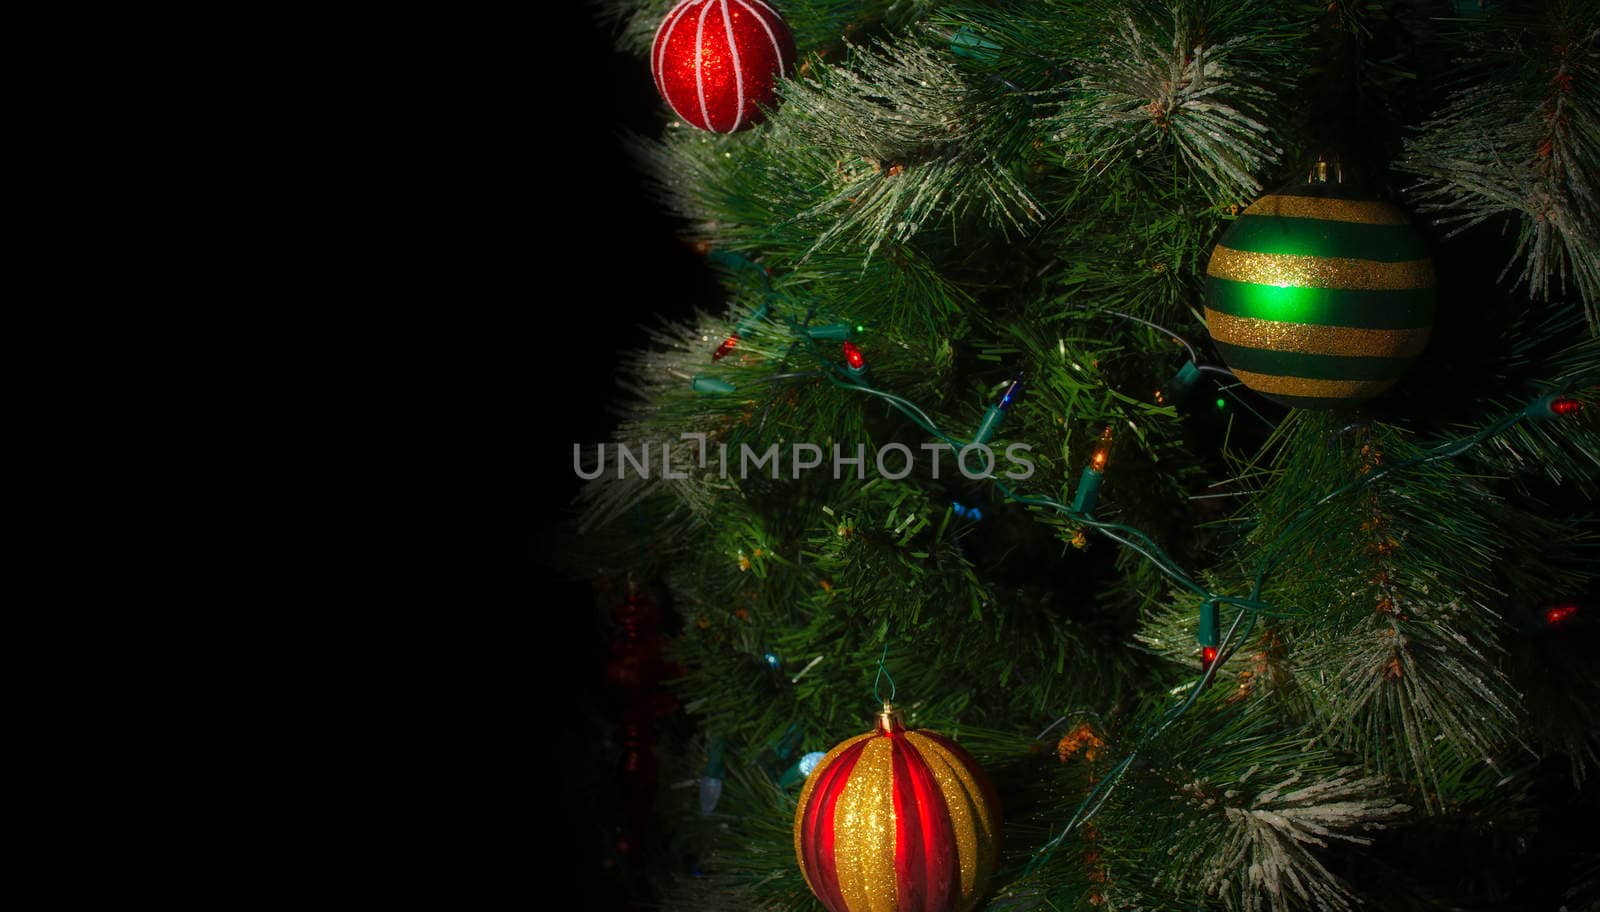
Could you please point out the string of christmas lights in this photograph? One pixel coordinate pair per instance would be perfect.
(1085, 496)
(1216, 649)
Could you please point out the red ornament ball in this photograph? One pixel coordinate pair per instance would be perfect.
(897, 820)
(718, 62)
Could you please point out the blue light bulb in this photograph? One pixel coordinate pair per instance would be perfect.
(1011, 392)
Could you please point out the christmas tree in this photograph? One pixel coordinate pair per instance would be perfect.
(1183, 412)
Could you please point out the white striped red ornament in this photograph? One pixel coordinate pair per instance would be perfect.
(718, 62)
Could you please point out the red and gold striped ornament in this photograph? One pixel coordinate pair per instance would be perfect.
(718, 62)
(897, 821)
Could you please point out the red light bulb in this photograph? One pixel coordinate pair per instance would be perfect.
(1559, 614)
(1208, 655)
(1565, 405)
(853, 356)
(725, 347)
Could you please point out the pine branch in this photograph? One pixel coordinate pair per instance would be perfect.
(1235, 808)
(1171, 78)
(910, 140)
(1521, 137)
(1393, 641)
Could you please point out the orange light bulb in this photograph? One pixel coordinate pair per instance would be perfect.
(1102, 452)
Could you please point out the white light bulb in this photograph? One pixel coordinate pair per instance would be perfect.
(809, 762)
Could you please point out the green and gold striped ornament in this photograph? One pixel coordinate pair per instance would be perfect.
(1319, 300)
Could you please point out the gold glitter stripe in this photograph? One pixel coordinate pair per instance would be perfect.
(1306, 386)
(864, 834)
(1289, 270)
(1364, 212)
(1312, 339)
(805, 796)
(972, 818)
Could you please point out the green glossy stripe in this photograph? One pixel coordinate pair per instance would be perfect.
(1410, 308)
(1316, 237)
(1320, 367)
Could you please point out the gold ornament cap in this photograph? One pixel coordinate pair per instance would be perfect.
(889, 720)
(1326, 170)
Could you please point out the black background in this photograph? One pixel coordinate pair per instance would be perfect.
(621, 267)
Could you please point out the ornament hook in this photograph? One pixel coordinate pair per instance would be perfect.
(1319, 171)
(883, 672)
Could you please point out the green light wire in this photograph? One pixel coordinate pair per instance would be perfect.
(1251, 608)
(1194, 358)
(1115, 531)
